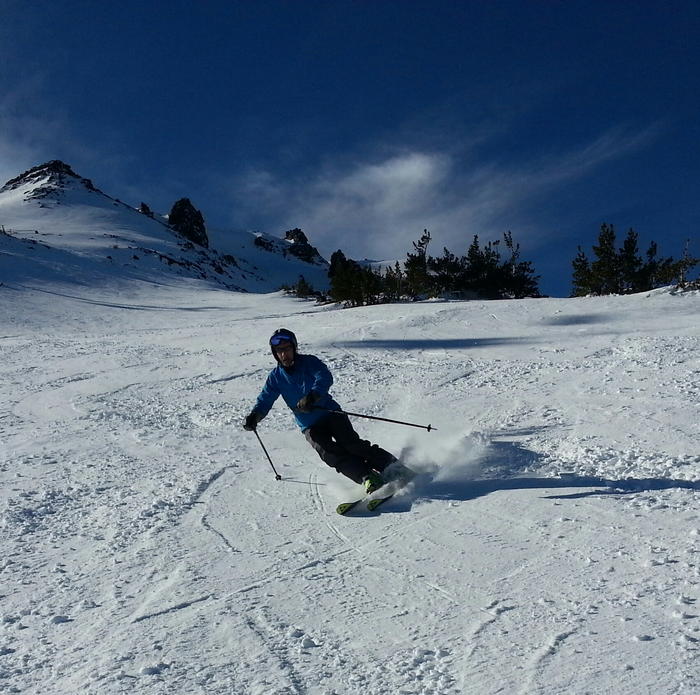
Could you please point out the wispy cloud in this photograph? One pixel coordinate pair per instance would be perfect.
(375, 206)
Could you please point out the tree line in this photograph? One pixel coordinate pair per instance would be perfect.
(482, 272)
(495, 270)
(624, 270)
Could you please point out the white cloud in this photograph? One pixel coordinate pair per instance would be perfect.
(377, 206)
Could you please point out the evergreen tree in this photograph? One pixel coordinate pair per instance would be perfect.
(482, 274)
(525, 281)
(481, 271)
(624, 271)
(447, 272)
(630, 264)
(517, 277)
(583, 277)
(605, 269)
(303, 288)
(392, 285)
(416, 267)
(650, 269)
(371, 286)
(338, 262)
(657, 272)
(353, 284)
(474, 263)
(686, 264)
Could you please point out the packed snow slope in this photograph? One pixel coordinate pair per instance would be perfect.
(550, 544)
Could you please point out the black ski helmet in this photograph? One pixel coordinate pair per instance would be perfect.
(282, 334)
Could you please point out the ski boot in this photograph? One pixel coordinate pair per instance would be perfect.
(372, 481)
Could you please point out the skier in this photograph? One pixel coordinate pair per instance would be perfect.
(303, 382)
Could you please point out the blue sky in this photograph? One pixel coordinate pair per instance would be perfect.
(365, 122)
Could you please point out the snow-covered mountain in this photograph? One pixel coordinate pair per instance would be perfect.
(57, 226)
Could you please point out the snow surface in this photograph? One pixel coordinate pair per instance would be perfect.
(550, 544)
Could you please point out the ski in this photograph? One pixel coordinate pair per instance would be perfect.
(377, 501)
(372, 504)
(382, 494)
(345, 507)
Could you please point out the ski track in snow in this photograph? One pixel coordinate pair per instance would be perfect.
(550, 544)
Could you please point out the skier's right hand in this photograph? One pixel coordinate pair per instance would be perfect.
(306, 404)
(251, 421)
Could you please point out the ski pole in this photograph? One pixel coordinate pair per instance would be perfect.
(383, 419)
(277, 475)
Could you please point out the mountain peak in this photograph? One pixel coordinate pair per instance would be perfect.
(58, 225)
(50, 177)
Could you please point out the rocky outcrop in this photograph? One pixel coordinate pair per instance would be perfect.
(296, 236)
(295, 243)
(145, 210)
(299, 246)
(188, 222)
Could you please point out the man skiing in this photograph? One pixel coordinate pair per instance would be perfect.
(303, 382)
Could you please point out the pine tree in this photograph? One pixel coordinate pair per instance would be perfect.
(685, 265)
(630, 264)
(392, 285)
(343, 279)
(583, 277)
(518, 277)
(353, 284)
(657, 272)
(303, 288)
(338, 261)
(605, 269)
(447, 271)
(624, 271)
(482, 269)
(474, 266)
(416, 267)
(371, 286)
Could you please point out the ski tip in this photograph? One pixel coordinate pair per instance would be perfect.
(345, 507)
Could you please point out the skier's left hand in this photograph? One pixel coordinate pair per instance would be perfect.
(306, 404)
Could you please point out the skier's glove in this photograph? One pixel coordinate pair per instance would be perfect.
(306, 404)
(251, 421)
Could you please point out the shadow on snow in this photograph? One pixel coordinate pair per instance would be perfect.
(502, 468)
(435, 344)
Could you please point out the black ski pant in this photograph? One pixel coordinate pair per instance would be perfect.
(339, 446)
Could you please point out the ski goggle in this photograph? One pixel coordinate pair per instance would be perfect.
(281, 338)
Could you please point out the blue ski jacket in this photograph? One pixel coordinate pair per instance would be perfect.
(308, 374)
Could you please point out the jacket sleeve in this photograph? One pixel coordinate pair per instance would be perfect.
(269, 394)
(323, 379)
